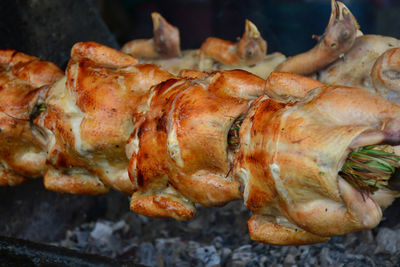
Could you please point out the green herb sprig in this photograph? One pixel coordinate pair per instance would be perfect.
(370, 168)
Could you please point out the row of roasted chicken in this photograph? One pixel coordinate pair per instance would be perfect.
(160, 133)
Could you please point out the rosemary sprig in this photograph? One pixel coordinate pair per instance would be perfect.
(370, 168)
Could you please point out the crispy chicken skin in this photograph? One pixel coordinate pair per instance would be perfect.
(179, 148)
(24, 81)
(290, 158)
(89, 119)
(289, 87)
(291, 151)
(111, 122)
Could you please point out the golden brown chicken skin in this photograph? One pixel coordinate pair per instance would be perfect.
(24, 81)
(179, 150)
(290, 152)
(291, 155)
(89, 119)
(110, 122)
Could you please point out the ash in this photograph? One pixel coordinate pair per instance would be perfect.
(219, 237)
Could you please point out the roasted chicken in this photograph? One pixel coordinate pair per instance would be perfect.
(372, 63)
(344, 56)
(249, 53)
(164, 44)
(291, 155)
(88, 119)
(174, 140)
(24, 81)
(337, 39)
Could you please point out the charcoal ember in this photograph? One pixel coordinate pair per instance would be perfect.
(168, 250)
(388, 240)
(147, 254)
(82, 238)
(222, 240)
(242, 256)
(366, 236)
(195, 225)
(225, 254)
(350, 240)
(217, 242)
(289, 260)
(102, 239)
(101, 232)
(207, 255)
(190, 249)
(304, 252)
(325, 258)
(395, 258)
